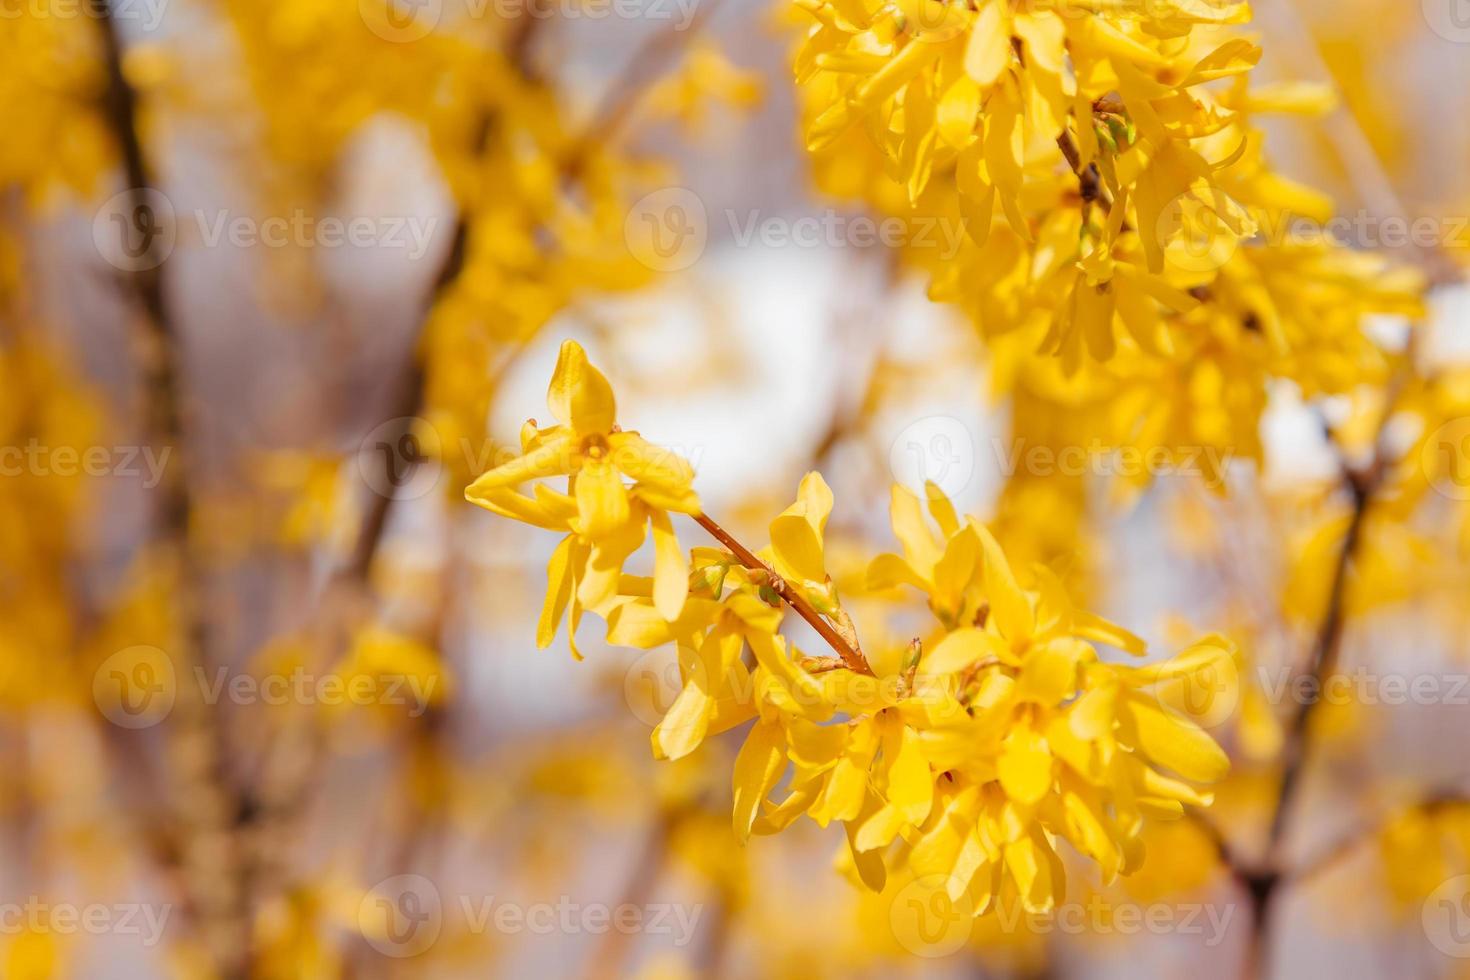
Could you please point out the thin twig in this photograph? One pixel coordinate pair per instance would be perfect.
(1089, 181)
(853, 658)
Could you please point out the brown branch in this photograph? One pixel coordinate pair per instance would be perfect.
(1089, 181)
(608, 955)
(1325, 649)
(214, 809)
(851, 657)
(1362, 485)
(650, 61)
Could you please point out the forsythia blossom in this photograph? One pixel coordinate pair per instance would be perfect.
(968, 755)
(1120, 216)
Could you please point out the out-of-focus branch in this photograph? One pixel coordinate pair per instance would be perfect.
(1361, 483)
(211, 806)
(607, 957)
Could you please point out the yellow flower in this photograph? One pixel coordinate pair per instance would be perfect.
(603, 518)
(968, 761)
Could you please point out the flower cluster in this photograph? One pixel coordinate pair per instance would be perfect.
(970, 753)
(1121, 217)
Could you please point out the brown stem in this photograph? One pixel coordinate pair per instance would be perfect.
(609, 954)
(1362, 484)
(851, 657)
(650, 61)
(1325, 649)
(214, 809)
(1089, 182)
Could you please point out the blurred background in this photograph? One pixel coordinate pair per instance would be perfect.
(277, 280)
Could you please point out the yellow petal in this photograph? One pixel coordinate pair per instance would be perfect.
(909, 527)
(869, 865)
(963, 648)
(910, 783)
(758, 767)
(670, 568)
(1024, 767)
(687, 720)
(798, 549)
(1008, 604)
(1174, 741)
(552, 458)
(890, 571)
(989, 49)
(602, 500)
(560, 580)
(655, 468)
(1048, 674)
(580, 395)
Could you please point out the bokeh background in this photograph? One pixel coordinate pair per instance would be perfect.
(273, 504)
